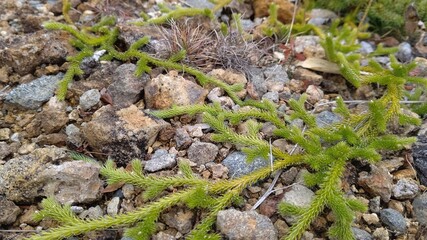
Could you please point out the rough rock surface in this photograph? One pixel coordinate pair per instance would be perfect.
(124, 134)
(202, 152)
(27, 177)
(165, 90)
(237, 225)
(32, 95)
(8, 211)
(378, 182)
(161, 159)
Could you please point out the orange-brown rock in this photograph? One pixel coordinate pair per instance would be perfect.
(284, 13)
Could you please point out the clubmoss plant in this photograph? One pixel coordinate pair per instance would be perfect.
(325, 151)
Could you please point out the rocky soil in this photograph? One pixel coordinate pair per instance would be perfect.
(105, 115)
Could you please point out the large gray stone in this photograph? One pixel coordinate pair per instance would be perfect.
(238, 166)
(33, 94)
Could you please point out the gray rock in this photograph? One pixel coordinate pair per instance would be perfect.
(113, 206)
(4, 150)
(420, 208)
(419, 153)
(92, 213)
(272, 96)
(321, 17)
(365, 48)
(302, 42)
(163, 236)
(375, 204)
(123, 134)
(179, 218)
(393, 220)
(74, 135)
(32, 95)
(235, 225)
(276, 73)
(160, 160)
(268, 79)
(326, 118)
(300, 196)
(77, 209)
(126, 87)
(182, 138)
(89, 99)
(405, 189)
(200, 4)
(27, 177)
(128, 191)
(382, 60)
(202, 152)
(360, 234)
(8, 211)
(237, 165)
(405, 53)
(5, 134)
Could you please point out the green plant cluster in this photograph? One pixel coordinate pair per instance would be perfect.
(325, 151)
(383, 15)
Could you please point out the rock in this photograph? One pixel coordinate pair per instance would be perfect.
(238, 166)
(200, 4)
(300, 196)
(160, 160)
(326, 118)
(393, 220)
(32, 95)
(162, 236)
(303, 43)
(307, 76)
(420, 208)
(113, 206)
(381, 234)
(165, 90)
(371, 218)
(405, 54)
(5, 134)
(4, 150)
(74, 135)
(128, 191)
(218, 171)
(392, 164)
(51, 119)
(126, 88)
(365, 48)
(202, 152)
(284, 13)
(276, 74)
(26, 52)
(89, 99)
(92, 213)
(405, 189)
(314, 94)
(375, 204)
(8, 211)
(378, 182)
(182, 138)
(28, 216)
(25, 178)
(236, 225)
(57, 139)
(272, 96)
(320, 17)
(179, 218)
(123, 134)
(231, 77)
(360, 234)
(271, 78)
(419, 153)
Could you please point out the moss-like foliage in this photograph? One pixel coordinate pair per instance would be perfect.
(325, 151)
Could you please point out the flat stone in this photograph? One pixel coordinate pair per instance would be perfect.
(5, 134)
(27, 177)
(361, 234)
(160, 160)
(235, 225)
(393, 220)
(202, 152)
(113, 206)
(405, 189)
(300, 196)
(5, 150)
(32, 95)
(326, 118)
(238, 166)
